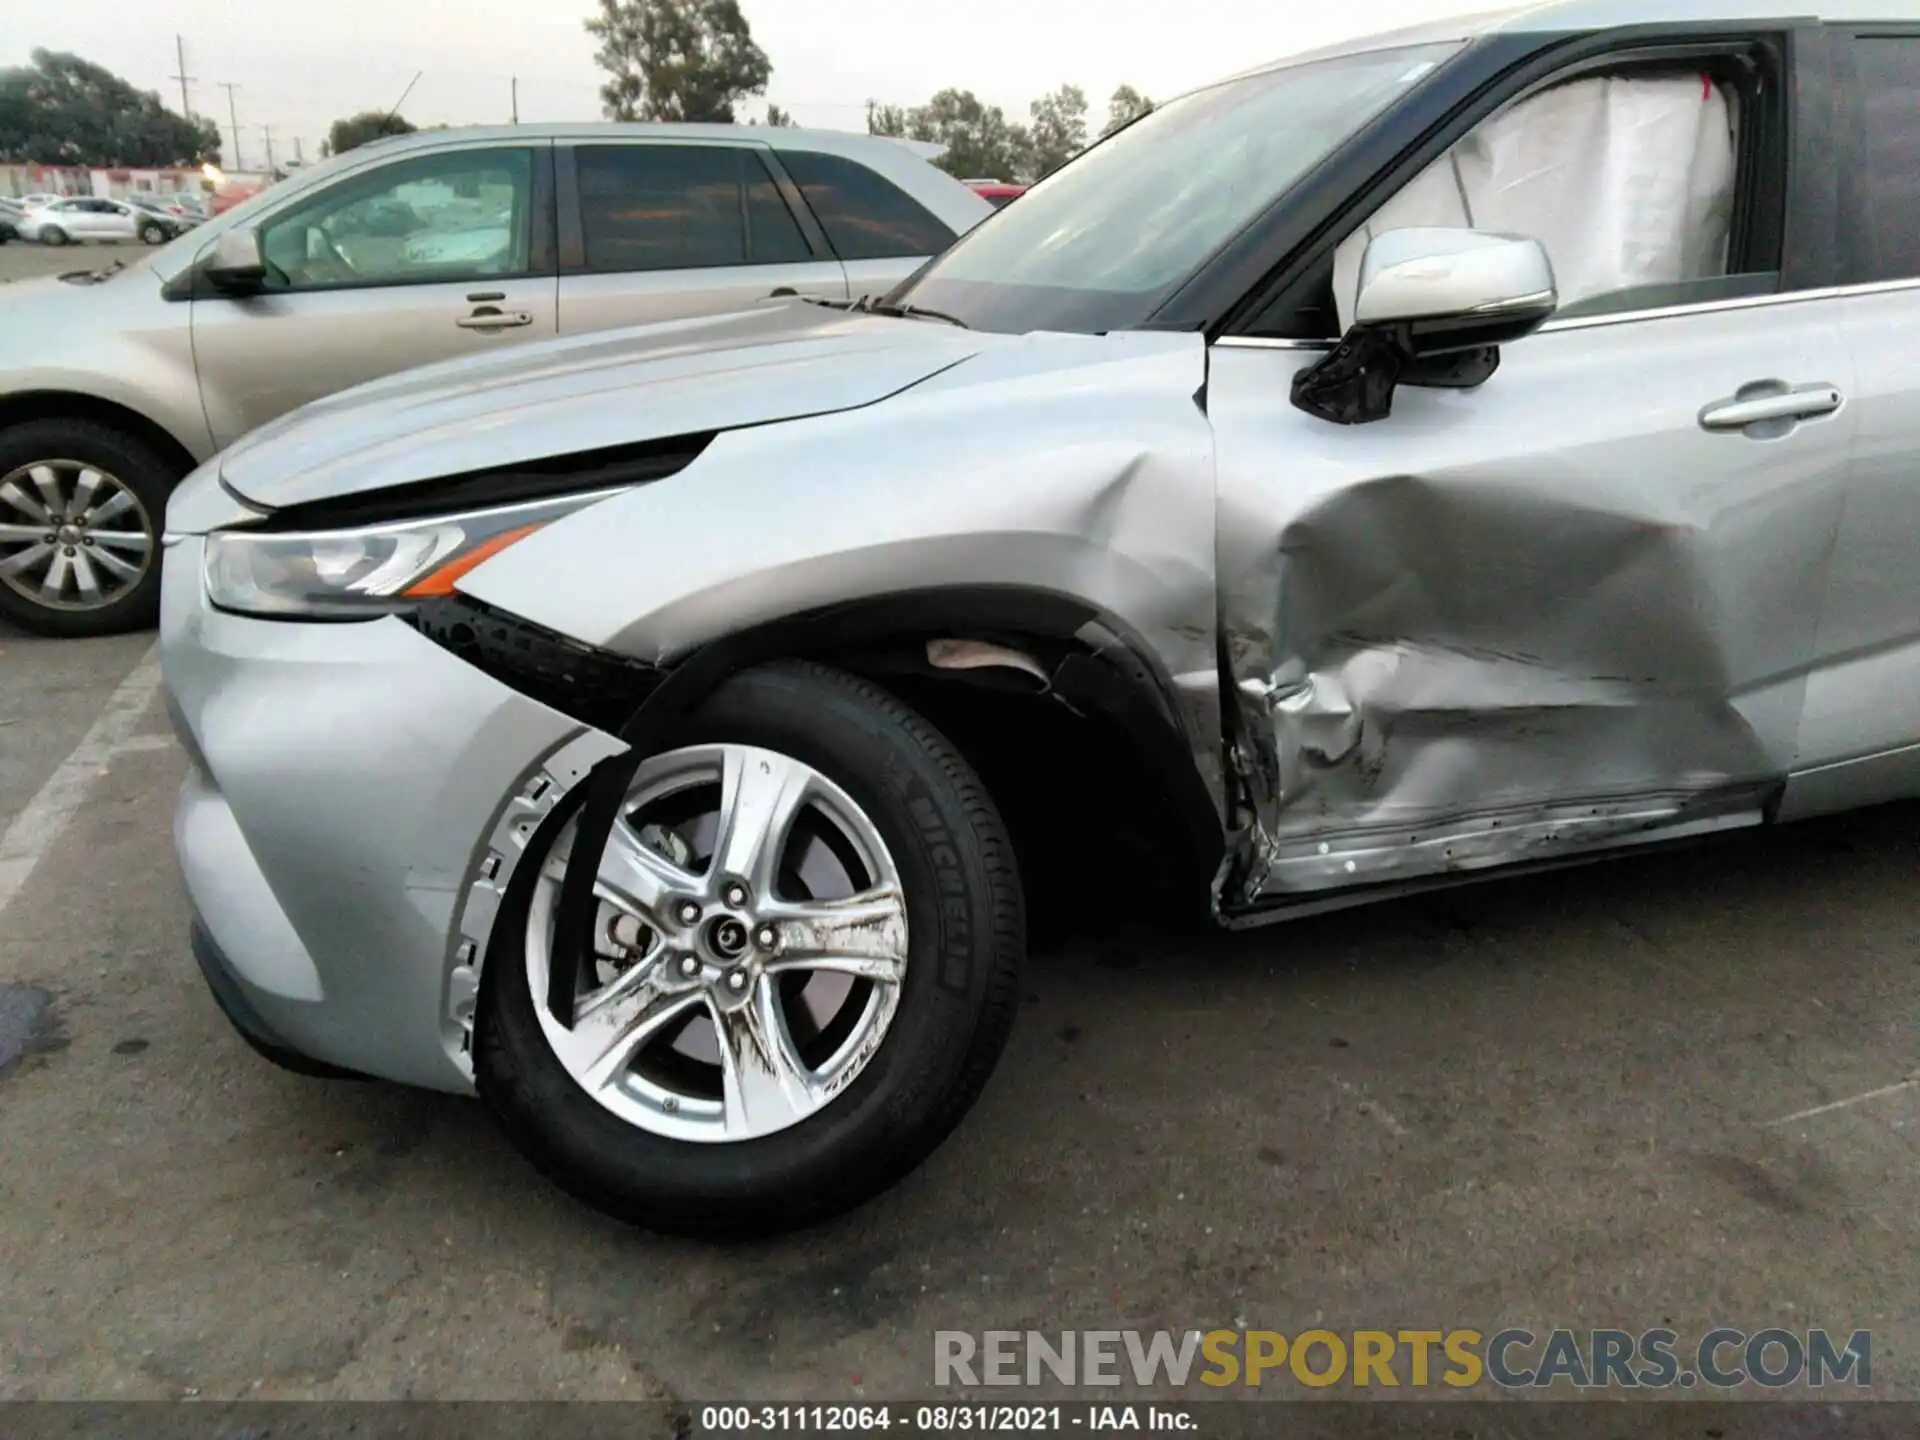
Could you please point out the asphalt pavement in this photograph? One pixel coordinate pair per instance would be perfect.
(1665, 1091)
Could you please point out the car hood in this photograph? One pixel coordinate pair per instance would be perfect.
(554, 398)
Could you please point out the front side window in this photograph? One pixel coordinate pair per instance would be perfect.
(1102, 243)
(1881, 240)
(462, 216)
(866, 216)
(1627, 180)
(682, 207)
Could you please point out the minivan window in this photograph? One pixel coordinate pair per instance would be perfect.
(455, 216)
(682, 207)
(1100, 244)
(1883, 240)
(865, 215)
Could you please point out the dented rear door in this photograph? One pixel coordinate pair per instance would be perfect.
(1575, 608)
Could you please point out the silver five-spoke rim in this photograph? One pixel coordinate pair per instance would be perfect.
(750, 943)
(72, 535)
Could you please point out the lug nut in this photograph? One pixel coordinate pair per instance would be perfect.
(766, 937)
(736, 895)
(737, 981)
(689, 913)
(689, 965)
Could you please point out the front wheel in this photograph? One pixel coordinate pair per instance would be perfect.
(153, 234)
(801, 971)
(53, 235)
(81, 508)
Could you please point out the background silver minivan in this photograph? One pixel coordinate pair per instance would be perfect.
(426, 247)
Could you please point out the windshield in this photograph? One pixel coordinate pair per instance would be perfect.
(1102, 243)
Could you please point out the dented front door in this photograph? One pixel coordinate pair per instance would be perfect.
(1575, 608)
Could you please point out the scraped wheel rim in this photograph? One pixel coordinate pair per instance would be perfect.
(73, 536)
(749, 945)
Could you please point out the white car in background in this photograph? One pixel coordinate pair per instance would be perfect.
(92, 218)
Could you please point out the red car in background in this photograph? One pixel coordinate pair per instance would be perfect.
(997, 193)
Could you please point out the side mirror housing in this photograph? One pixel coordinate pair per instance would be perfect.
(236, 263)
(1433, 308)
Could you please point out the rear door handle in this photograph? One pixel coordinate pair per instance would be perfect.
(489, 317)
(1768, 403)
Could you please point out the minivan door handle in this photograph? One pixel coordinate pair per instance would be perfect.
(1771, 407)
(492, 317)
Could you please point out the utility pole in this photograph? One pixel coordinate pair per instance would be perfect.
(233, 119)
(299, 158)
(267, 132)
(180, 74)
(516, 99)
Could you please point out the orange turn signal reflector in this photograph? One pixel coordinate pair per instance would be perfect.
(440, 582)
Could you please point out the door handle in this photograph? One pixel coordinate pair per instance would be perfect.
(488, 317)
(1771, 407)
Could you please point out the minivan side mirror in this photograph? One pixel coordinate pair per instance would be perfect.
(236, 263)
(1433, 308)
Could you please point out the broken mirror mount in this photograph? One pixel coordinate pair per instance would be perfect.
(1433, 308)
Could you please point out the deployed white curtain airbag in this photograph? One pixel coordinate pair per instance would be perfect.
(1626, 181)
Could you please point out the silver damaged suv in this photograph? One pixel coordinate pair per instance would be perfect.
(1478, 449)
(115, 382)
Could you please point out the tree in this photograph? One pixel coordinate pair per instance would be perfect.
(981, 143)
(778, 118)
(890, 120)
(62, 110)
(357, 130)
(1058, 132)
(1126, 106)
(676, 59)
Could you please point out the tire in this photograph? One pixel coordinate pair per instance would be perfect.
(153, 234)
(129, 463)
(955, 1006)
(53, 235)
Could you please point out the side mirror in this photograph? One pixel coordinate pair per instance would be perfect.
(1434, 306)
(236, 263)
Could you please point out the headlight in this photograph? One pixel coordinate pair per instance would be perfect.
(367, 572)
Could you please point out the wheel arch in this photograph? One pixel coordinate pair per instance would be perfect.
(1071, 720)
(29, 405)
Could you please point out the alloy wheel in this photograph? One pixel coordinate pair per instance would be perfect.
(72, 535)
(750, 942)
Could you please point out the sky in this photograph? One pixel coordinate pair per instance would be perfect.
(298, 65)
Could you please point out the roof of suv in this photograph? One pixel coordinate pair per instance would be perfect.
(1554, 16)
(904, 162)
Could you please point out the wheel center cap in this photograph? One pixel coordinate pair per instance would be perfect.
(727, 938)
(68, 535)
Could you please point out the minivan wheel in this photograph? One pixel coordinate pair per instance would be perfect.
(53, 235)
(81, 508)
(153, 234)
(807, 931)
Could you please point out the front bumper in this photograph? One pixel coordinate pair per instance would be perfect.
(350, 782)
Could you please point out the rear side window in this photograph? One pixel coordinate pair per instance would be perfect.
(866, 217)
(682, 207)
(1883, 238)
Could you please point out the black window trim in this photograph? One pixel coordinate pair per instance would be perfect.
(1241, 281)
(573, 230)
(1848, 112)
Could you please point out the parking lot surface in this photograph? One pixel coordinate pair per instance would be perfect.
(1653, 1092)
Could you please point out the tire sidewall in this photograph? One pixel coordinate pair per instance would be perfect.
(930, 1046)
(134, 464)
